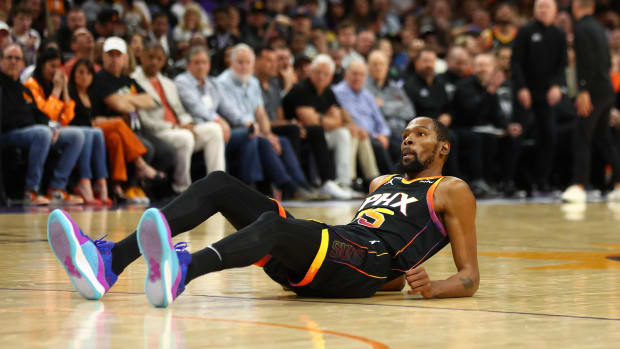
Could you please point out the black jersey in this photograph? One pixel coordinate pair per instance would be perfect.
(402, 213)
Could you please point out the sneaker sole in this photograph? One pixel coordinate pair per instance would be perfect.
(62, 234)
(155, 243)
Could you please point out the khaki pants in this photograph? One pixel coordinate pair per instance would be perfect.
(208, 138)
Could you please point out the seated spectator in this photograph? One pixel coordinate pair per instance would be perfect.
(312, 103)
(312, 137)
(23, 34)
(391, 98)
(346, 40)
(25, 126)
(169, 120)
(107, 20)
(459, 66)
(75, 19)
(160, 32)
(5, 35)
(83, 47)
(117, 95)
(476, 105)
(505, 30)
(122, 145)
(369, 127)
(49, 86)
(243, 93)
(191, 23)
(134, 18)
(286, 72)
(366, 40)
(254, 31)
(222, 38)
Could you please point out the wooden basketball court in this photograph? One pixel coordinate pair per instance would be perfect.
(550, 278)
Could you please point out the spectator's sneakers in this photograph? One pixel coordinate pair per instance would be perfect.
(353, 193)
(614, 195)
(61, 197)
(135, 195)
(88, 263)
(31, 198)
(332, 189)
(166, 264)
(574, 194)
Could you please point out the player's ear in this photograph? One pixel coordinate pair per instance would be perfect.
(444, 148)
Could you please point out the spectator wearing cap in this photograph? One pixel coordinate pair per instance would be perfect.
(254, 31)
(301, 22)
(347, 39)
(23, 33)
(106, 23)
(83, 47)
(243, 93)
(170, 122)
(313, 9)
(5, 35)
(25, 126)
(118, 95)
(459, 66)
(75, 19)
(313, 103)
(369, 130)
(391, 98)
(539, 61)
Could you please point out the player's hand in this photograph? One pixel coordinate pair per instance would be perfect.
(419, 282)
(525, 98)
(554, 95)
(584, 104)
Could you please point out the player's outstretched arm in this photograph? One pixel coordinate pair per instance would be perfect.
(456, 205)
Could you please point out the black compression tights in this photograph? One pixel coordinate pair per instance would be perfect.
(262, 231)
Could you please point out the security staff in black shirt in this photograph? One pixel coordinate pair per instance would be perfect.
(539, 61)
(595, 99)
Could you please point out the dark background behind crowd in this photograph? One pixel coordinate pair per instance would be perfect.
(126, 100)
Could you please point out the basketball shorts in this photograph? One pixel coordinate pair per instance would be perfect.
(349, 264)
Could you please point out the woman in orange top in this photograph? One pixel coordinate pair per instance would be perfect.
(122, 144)
(49, 86)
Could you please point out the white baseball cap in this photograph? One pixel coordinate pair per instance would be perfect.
(114, 43)
(4, 26)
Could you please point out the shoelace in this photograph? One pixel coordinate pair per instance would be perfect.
(100, 241)
(181, 246)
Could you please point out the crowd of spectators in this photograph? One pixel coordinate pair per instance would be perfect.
(110, 100)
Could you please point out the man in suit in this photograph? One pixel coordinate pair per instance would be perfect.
(169, 120)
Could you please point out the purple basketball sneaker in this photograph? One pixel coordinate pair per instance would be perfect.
(166, 264)
(88, 263)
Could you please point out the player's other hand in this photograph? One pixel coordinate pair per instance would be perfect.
(419, 282)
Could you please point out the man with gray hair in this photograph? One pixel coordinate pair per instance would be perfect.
(312, 103)
(244, 95)
(391, 98)
(369, 129)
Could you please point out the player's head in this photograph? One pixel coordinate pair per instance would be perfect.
(425, 146)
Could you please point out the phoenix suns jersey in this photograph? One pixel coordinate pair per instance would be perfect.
(402, 213)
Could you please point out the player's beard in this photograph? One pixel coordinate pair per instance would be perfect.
(415, 166)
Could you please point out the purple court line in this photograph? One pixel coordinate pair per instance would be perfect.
(351, 303)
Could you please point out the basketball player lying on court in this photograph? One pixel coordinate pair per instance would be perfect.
(404, 220)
